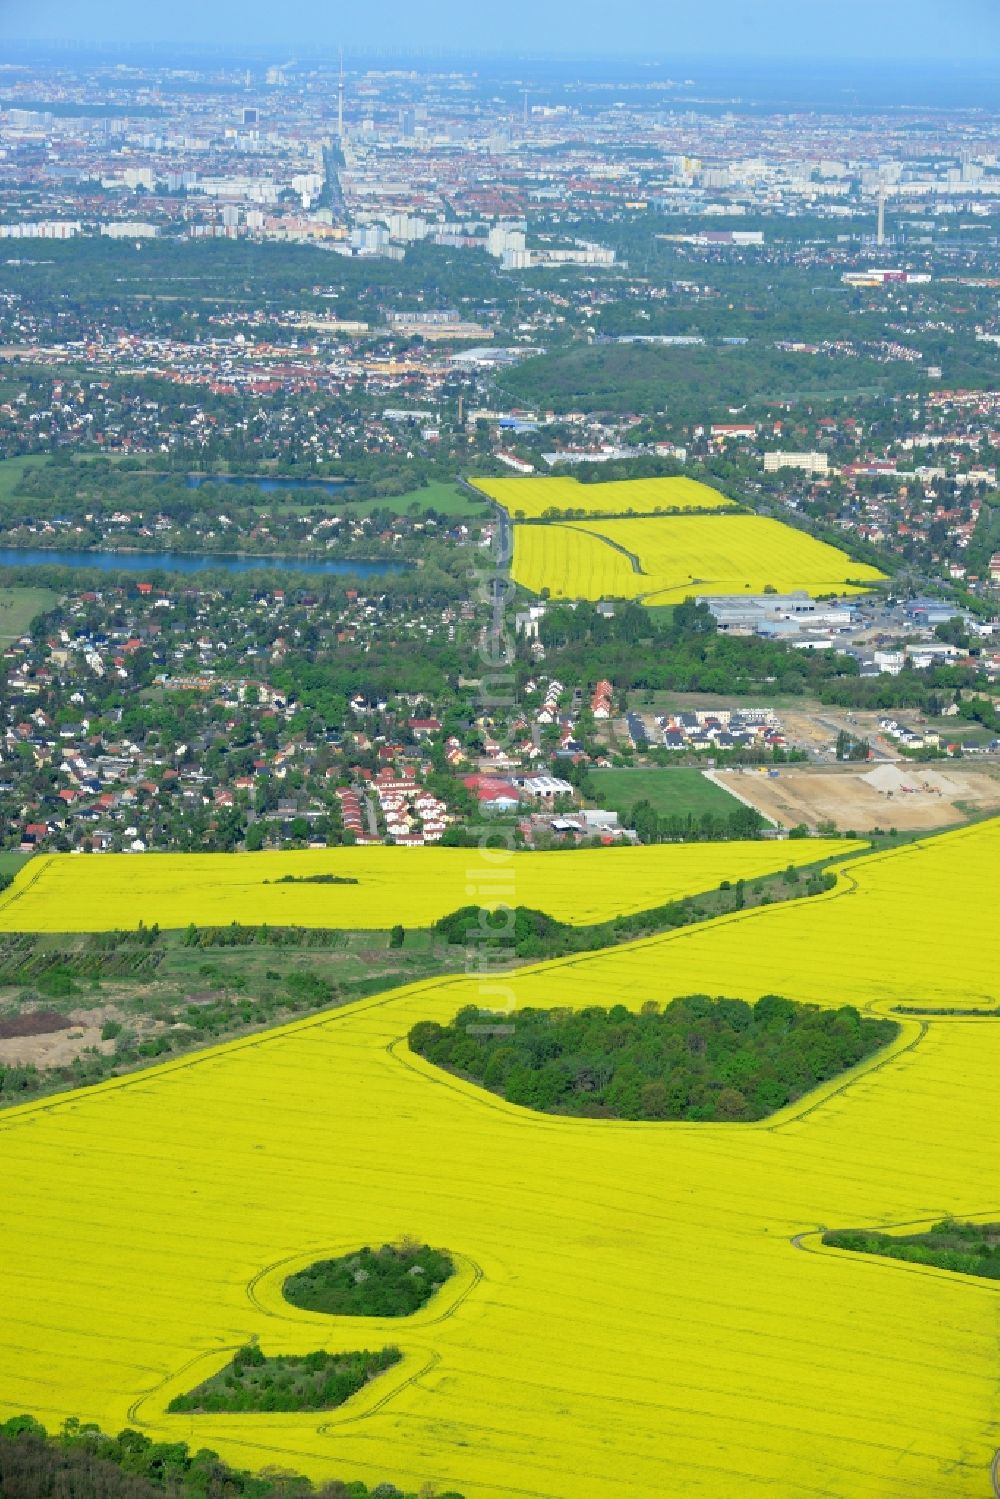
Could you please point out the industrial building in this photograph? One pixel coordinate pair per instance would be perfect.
(781, 616)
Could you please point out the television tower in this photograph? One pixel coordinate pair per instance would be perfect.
(880, 236)
(340, 99)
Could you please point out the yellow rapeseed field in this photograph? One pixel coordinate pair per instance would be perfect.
(572, 565)
(731, 554)
(530, 499)
(914, 925)
(414, 886)
(636, 1314)
(665, 559)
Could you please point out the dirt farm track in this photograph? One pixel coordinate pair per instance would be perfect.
(860, 797)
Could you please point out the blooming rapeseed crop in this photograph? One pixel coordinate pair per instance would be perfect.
(633, 1315)
(668, 558)
(107, 892)
(529, 499)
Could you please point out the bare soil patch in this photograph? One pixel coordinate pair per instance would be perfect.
(908, 796)
(46, 1038)
(33, 1023)
(56, 1049)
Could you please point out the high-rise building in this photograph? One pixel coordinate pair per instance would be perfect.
(506, 239)
(407, 227)
(371, 239)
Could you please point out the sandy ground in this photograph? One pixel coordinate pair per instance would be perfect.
(57, 1048)
(54, 1049)
(886, 795)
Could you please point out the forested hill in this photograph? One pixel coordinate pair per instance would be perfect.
(687, 382)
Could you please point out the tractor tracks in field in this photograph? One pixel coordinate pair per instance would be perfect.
(615, 546)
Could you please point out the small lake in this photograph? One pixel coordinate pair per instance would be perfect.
(323, 486)
(183, 562)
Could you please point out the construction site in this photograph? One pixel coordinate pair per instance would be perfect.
(904, 795)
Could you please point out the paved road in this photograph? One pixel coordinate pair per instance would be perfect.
(504, 553)
(370, 815)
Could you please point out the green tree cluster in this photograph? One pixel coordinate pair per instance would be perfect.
(653, 827)
(966, 1248)
(82, 1462)
(288, 1382)
(698, 1058)
(395, 1280)
(850, 747)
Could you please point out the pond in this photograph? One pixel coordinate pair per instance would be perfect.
(183, 562)
(259, 481)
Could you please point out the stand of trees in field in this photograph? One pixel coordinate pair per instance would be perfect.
(698, 1058)
(287, 1382)
(395, 1280)
(526, 933)
(966, 1248)
(654, 827)
(82, 1462)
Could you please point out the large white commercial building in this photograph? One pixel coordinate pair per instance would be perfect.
(808, 463)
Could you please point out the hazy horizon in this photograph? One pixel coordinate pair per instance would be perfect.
(888, 32)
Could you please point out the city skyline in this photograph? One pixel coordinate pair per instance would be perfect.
(886, 31)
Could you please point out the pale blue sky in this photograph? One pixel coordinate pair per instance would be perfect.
(875, 30)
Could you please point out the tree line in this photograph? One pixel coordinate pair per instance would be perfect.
(965, 1248)
(82, 1462)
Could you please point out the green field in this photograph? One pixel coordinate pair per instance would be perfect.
(19, 606)
(11, 861)
(11, 470)
(951, 730)
(671, 792)
(448, 499)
